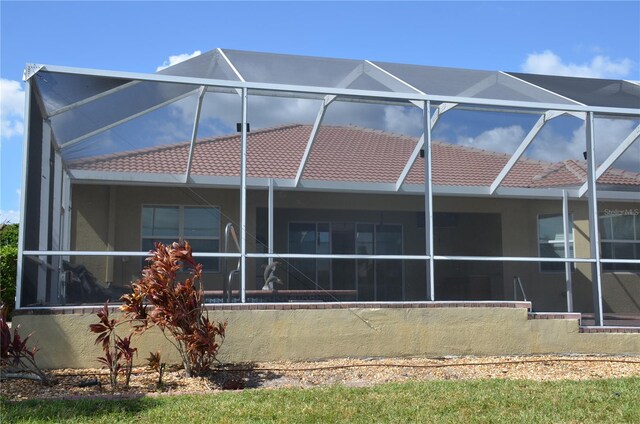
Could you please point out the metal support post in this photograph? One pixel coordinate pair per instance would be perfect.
(270, 221)
(23, 193)
(428, 200)
(567, 251)
(45, 206)
(594, 235)
(56, 225)
(243, 199)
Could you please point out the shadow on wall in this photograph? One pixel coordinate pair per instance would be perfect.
(621, 292)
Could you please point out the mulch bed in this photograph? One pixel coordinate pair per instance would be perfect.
(87, 383)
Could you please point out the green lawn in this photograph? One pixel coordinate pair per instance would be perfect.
(597, 401)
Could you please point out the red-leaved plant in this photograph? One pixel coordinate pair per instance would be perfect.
(118, 352)
(159, 299)
(17, 360)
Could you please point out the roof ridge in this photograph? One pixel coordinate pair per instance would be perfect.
(373, 130)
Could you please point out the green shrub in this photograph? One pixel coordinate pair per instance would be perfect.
(9, 235)
(8, 269)
(8, 264)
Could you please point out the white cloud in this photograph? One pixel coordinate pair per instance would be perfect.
(9, 216)
(11, 108)
(500, 139)
(403, 120)
(600, 66)
(177, 59)
(552, 146)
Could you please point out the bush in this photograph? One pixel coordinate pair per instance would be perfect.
(8, 264)
(17, 359)
(176, 306)
(9, 235)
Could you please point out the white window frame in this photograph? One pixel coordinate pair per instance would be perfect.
(555, 242)
(180, 235)
(608, 217)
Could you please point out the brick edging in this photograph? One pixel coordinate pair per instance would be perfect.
(554, 315)
(90, 310)
(594, 329)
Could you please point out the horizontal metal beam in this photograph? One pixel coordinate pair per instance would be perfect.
(511, 259)
(327, 256)
(332, 256)
(338, 91)
(118, 253)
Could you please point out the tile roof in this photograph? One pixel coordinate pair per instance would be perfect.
(347, 153)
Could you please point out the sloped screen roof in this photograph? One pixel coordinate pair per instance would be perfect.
(81, 104)
(589, 91)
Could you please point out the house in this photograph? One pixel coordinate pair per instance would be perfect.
(365, 181)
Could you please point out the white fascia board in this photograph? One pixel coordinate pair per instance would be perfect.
(78, 175)
(339, 91)
(148, 179)
(620, 196)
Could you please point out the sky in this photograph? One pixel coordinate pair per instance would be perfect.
(577, 38)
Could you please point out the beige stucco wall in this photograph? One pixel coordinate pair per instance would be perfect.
(313, 334)
(94, 227)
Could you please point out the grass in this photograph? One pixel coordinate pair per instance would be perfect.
(499, 401)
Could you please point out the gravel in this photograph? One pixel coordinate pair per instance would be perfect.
(74, 383)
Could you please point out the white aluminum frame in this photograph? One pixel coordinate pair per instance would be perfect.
(594, 231)
(418, 98)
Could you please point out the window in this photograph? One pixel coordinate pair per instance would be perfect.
(199, 225)
(551, 241)
(620, 238)
(366, 276)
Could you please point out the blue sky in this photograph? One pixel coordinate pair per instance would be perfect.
(599, 39)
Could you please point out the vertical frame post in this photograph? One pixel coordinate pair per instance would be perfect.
(428, 200)
(56, 226)
(243, 199)
(23, 192)
(66, 212)
(594, 233)
(567, 251)
(45, 207)
(270, 221)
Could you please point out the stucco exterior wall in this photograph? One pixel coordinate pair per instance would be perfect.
(314, 334)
